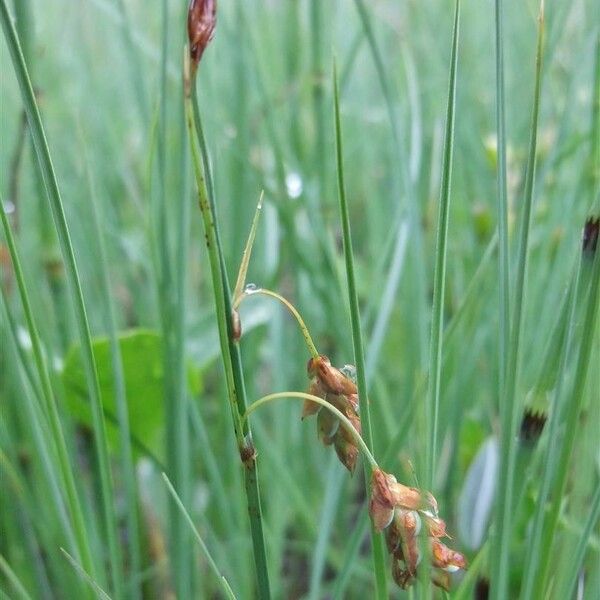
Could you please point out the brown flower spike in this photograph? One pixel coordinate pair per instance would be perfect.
(202, 18)
(402, 512)
(340, 391)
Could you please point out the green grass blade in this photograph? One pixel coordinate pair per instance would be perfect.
(13, 579)
(574, 567)
(100, 593)
(361, 379)
(439, 286)
(510, 403)
(335, 478)
(573, 403)
(213, 565)
(125, 446)
(502, 211)
(50, 407)
(54, 198)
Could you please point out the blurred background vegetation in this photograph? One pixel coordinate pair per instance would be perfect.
(107, 77)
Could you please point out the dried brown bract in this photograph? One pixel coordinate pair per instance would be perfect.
(336, 388)
(202, 18)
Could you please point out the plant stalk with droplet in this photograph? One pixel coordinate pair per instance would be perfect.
(201, 22)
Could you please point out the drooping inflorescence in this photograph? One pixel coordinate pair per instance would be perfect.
(402, 512)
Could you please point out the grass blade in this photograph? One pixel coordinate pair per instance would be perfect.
(439, 286)
(361, 379)
(43, 155)
(503, 260)
(510, 404)
(50, 406)
(213, 565)
(14, 580)
(125, 446)
(546, 523)
(582, 545)
(100, 593)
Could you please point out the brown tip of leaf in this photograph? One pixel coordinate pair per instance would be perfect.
(532, 425)
(202, 18)
(482, 589)
(591, 230)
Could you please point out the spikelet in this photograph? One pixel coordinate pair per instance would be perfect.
(402, 512)
(337, 388)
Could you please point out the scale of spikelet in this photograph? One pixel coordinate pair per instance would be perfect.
(337, 388)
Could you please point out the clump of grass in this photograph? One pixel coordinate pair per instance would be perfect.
(122, 337)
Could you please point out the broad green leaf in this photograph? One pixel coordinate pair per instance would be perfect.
(144, 377)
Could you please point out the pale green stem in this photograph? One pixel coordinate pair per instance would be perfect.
(303, 396)
(213, 565)
(308, 339)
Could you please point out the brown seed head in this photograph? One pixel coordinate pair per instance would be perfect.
(202, 18)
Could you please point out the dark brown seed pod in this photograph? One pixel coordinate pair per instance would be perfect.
(202, 18)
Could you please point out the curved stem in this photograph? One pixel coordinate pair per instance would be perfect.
(303, 396)
(251, 292)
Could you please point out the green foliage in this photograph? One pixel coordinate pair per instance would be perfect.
(108, 321)
(143, 370)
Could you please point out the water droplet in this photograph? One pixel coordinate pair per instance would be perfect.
(293, 184)
(251, 288)
(350, 372)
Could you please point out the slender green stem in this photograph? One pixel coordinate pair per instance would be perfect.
(50, 407)
(100, 593)
(332, 409)
(504, 505)
(359, 358)
(43, 155)
(502, 211)
(550, 457)
(230, 351)
(573, 402)
(582, 545)
(211, 562)
(14, 580)
(126, 454)
(215, 268)
(439, 287)
(264, 292)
